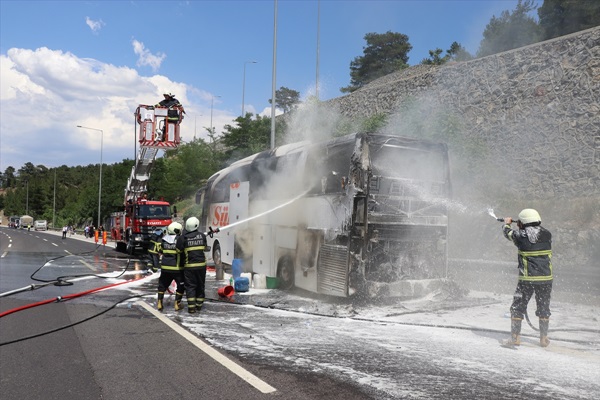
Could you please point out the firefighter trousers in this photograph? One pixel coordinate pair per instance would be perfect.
(168, 276)
(195, 279)
(523, 294)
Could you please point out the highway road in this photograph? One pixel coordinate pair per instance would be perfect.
(266, 344)
(125, 353)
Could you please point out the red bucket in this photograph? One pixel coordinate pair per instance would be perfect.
(226, 291)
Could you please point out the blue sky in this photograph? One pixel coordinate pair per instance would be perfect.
(90, 63)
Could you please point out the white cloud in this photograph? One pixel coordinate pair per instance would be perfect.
(46, 93)
(145, 57)
(95, 26)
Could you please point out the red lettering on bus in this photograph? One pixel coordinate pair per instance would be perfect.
(221, 216)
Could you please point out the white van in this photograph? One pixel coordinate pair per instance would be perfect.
(40, 225)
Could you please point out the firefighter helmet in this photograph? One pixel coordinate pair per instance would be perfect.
(174, 228)
(529, 216)
(192, 224)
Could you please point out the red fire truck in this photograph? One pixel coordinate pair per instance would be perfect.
(131, 229)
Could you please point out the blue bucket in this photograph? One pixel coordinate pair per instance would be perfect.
(236, 268)
(242, 284)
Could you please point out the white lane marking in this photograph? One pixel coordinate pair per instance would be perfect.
(68, 252)
(247, 376)
(45, 240)
(87, 265)
(54, 244)
(10, 245)
(3, 254)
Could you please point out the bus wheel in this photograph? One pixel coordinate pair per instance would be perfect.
(217, 256)
(285, 273)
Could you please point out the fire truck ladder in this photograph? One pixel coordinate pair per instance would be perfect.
(159, 130)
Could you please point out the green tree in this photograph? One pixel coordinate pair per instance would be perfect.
(181, 172)
(249, 136)
(561, 17)
(455, 53)
(511, 30)
(286, 99)
(385, 53)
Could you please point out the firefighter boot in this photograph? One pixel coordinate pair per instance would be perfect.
(178, 303)
(544, 341)
(515, 333)
(199, 304)
(159, 303)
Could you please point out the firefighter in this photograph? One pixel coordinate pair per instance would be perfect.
(534, 245)
(154, 250)
(194, 269)
(173, 116)
(171, 247)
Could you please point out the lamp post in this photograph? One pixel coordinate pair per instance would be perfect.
(100, 180)
(211, 113)
(244, 86)
(27, 198)
(54, 203)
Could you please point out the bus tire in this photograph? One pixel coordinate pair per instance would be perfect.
(285, 273)
(217, 255)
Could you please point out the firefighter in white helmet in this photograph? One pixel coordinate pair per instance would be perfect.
(194, 264)
(535, 272)
(171, 247)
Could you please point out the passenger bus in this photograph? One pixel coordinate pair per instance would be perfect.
(361, 213)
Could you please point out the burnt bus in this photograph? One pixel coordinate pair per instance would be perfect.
(359, 214)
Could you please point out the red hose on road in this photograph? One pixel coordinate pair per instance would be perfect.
(60, 298)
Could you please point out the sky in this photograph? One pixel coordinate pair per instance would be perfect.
(91, 63)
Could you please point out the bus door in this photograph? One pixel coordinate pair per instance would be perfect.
(238, 211)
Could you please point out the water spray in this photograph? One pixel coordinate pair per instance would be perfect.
(212, 232)
(491, 213)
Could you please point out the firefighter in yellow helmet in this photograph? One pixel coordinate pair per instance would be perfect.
(154, 250)
(171, 247)
(194, 266)
(534, 244)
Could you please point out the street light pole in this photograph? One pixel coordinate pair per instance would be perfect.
(27, 198)
(100, 180)
(244, 86)
(211, 113)
(54, 203)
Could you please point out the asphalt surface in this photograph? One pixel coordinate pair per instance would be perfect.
(87, 350)
(305, 346)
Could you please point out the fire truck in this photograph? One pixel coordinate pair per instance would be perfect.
(131, 228)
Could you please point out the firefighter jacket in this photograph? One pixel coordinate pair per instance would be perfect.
(194, 244)
(535, 252)
(172, 247)
(155, 241)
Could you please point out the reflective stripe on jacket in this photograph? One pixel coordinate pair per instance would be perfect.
(171, 247)
(535, 252)
(154, 244)
(194, 244)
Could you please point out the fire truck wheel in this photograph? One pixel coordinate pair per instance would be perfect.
(119, 246)
(129, 248)
(285, 273)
